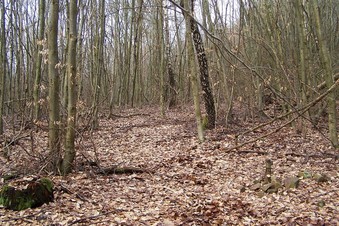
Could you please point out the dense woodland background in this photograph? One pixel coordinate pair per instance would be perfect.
(136, 53)
(196, 95)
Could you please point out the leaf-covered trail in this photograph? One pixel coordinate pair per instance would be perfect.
(188, 183)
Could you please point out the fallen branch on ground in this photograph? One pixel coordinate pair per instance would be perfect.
(121, 170)
(126, 116)
(82, 220)
(299, 111)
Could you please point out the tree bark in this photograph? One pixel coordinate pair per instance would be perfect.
(160, 54)
(53, 90)
(327, 66)
(72, 97)
(302, 65)
(136, 49)
(170, 70)
(3, 64)
(192, 73)
(36, 104)
(98, 69)
(203, 66)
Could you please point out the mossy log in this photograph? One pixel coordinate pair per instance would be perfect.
(36, 194)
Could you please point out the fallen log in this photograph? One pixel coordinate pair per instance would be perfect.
(36, 194)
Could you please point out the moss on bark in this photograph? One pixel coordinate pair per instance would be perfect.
(36, 194)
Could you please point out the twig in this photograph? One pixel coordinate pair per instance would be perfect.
(15, 139)
(322, 155)
(252, 152)
(251, 69)
(302, 110)
(23, 217)
(326, 193)
(94, 217)
(121, 170)
(127, 116)
(314, 102)
(68, 191)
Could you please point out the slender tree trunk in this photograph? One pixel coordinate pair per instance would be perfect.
(64, 79)
(27, 80)
(80, 53)
(192, 72)
(17, 80)
(302, 62)
(11, 62)
(99, 65)
(160, 54)
(170, 70)
(117, 67)
(203, 66)
(327, 66)
(3, 64)
(183, 86)
(136, 49)
(71, 76)
(128, 40)
(54, 80)
(36, 104)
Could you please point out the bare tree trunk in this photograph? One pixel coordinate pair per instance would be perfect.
(136, 49)
(170, 71)
(64, 60)
(302, 65)
(54, 80)
(71, 76)
(117, 66)
(36, 104)
(80, 53)
(203, 66)
(192, 73)
(327, 66)
(160, 54)
(99, 65)
(3, 64)
(128, 41)
(183, 86)
(17, 80)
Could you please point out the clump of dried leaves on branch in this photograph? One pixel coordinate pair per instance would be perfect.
(183, 182)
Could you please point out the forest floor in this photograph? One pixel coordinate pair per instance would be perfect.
(185, 182)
